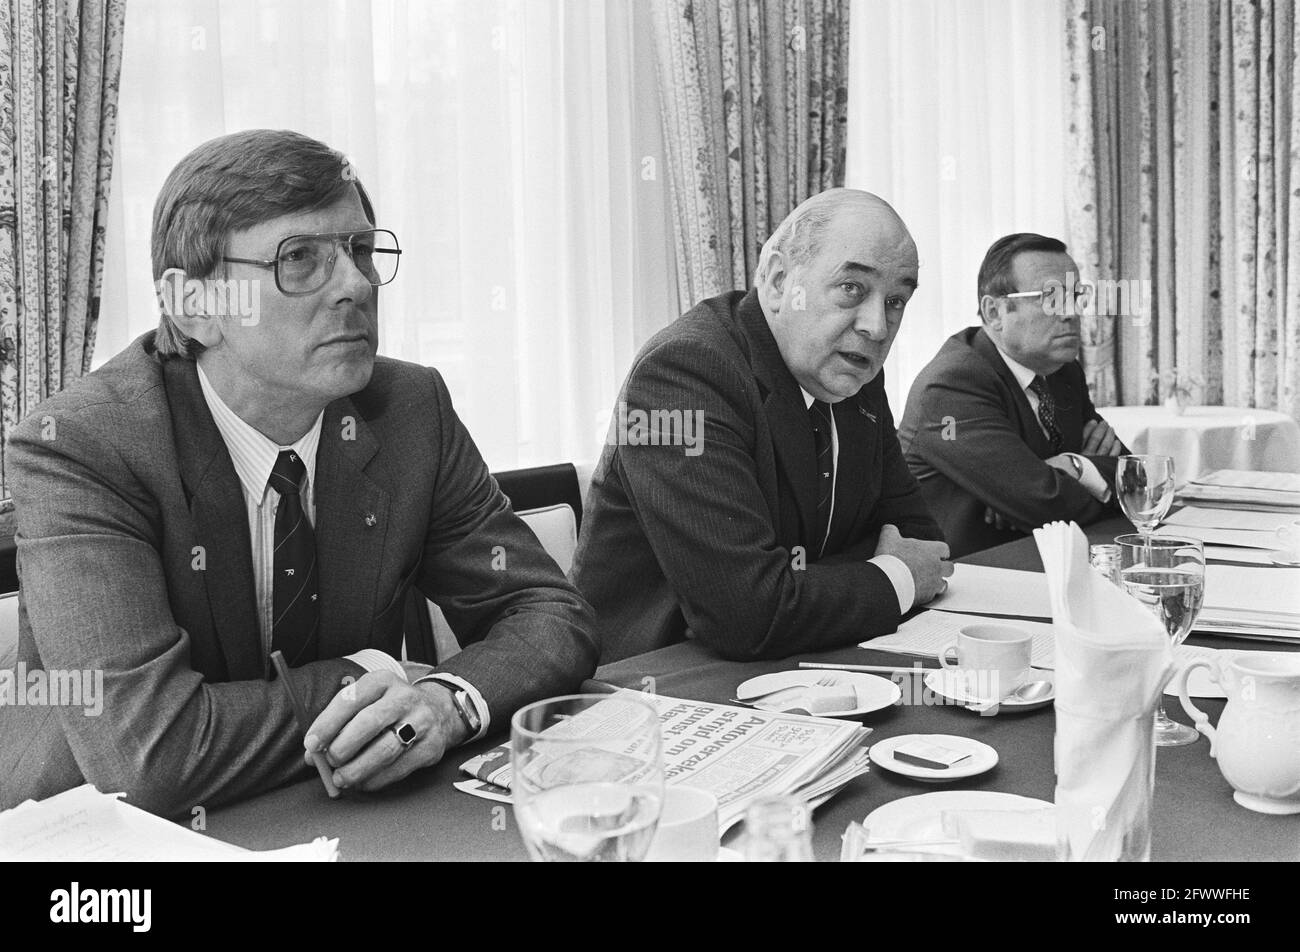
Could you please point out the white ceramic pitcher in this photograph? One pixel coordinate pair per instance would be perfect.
(1257, 742)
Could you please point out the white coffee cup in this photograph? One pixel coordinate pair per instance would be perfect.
(995, 658)
(688, 827)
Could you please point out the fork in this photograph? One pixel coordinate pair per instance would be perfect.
(825, 681)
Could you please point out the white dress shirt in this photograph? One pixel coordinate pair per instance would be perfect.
(1091, 477)
(895, 569)
(253, 455)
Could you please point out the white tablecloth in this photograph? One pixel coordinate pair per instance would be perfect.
(1203, 439)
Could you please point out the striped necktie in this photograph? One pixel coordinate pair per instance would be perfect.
(819, 413)
(1047, 412)
(295, 606)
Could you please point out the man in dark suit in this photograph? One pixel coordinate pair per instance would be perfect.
(999, 429)
(253, 479)
(752, 494)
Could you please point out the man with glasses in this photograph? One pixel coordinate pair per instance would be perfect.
(250, 479)
(999, 429)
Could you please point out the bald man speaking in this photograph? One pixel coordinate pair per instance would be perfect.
(752, 494)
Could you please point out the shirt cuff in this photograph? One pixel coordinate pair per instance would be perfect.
(900, 576)
(480, 706)
(372, 659)
(1091, 479)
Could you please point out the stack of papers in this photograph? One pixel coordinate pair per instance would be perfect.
(983, 590)
(738, 754)
(1244, 489)
(1252, 602)
(83, 824)
(1231, 535)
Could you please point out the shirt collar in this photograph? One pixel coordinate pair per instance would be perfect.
(252, 452)
(1024, 376)
(807, 399)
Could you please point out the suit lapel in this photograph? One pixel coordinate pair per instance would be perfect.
(1027, 420)
(352, 516)
(220, 521)
(787, 415)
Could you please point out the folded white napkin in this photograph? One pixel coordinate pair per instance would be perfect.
(1112, 661)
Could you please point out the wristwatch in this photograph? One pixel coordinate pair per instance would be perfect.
(1077, 464)
(465, 708)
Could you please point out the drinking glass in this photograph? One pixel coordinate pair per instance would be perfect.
(1145, 486)
(587, 777)
(1167, 574)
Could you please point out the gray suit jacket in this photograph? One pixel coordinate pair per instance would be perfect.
(720, 545)
(135, 559)
(973, 441)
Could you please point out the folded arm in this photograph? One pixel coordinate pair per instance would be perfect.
(527, 631)
(967, 435)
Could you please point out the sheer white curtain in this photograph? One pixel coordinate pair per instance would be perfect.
(956, 117)
(511, 144)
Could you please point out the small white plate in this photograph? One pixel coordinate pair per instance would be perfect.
(920, 817)
(982, 757)
(727, 855)
(948, 684)
(873, 693)
(1283, 557)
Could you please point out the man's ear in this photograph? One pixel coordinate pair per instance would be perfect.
(184, 300)
(991, 312)
(771, 289)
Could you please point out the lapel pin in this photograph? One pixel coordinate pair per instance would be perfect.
(370, 519)
(866, 413)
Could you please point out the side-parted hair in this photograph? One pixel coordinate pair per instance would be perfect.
(995, 275)
(231, 183)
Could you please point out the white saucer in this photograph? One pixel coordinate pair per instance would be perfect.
(920, 817)
(727, 855)
(873, 693)
(982, 757)
(948, 684)
(1283, 557)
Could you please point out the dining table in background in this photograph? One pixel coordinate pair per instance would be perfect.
(424, 817)
(1203, 439)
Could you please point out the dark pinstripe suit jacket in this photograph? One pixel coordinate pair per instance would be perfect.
(123, 480)
(708, 545)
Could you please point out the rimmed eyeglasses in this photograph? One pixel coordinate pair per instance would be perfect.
(304, 263)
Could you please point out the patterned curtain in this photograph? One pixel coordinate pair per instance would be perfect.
(754, 102)
(1188, 181)
(59, 66)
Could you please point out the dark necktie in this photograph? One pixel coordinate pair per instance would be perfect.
(295, 608)
(820, 415)
(1047, 412)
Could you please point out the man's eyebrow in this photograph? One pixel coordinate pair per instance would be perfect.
(294, 233)
(906, 280)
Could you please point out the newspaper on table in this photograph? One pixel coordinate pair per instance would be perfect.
(738, 754)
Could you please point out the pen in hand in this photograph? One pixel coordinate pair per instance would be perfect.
(318, 757)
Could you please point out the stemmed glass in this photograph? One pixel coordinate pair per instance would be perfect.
(1167, 574)
(1145, 486)
(587, 777)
